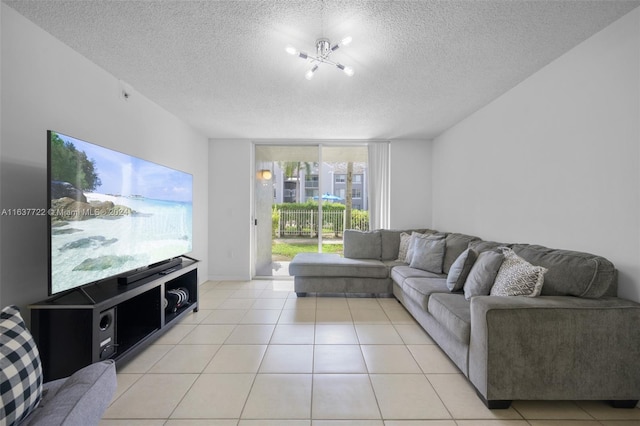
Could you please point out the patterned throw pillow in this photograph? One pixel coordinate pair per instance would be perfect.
(404, 246)
(20, 369)
(517, 277)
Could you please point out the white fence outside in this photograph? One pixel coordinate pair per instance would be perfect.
(301, 223)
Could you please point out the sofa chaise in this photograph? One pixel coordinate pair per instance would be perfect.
(575, 341)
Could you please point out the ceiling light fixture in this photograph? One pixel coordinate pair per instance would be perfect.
(323, 50)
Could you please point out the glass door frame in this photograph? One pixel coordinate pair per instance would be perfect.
(320, 144)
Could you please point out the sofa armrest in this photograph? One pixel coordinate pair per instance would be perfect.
(555, 347)
(80, 399)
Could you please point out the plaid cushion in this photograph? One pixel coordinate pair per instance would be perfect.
(20, 369)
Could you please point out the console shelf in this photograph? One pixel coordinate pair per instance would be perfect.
(109, 321)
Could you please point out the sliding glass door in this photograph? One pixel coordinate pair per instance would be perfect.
(305, 196)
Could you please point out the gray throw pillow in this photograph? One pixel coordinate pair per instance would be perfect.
(517, 277)
(362, 245)
(428, 254)
(414, 237)
(483, 274)
(460, 269)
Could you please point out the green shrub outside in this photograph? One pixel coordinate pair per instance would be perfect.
(309, 205)
(358, 217)
(329, 225)
(275, 219)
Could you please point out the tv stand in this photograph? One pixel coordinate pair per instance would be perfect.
(109, 320)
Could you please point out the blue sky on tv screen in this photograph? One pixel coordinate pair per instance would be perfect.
(125, 175)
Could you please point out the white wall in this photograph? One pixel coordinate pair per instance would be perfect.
(47, 85)
(411, 183)
(556, 160)
(230, 215)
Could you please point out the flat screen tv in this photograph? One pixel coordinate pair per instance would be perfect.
(111, 214)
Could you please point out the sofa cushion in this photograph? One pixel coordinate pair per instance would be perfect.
(483, 274)
(570, 272)
(453, 312)
(81, 399)
(362, 245)
(455, 245)
(391, 241)
(479, 245)
(517, 277)
(332, 265)
(20, 368)
(460, 269)
(393, 263)
(428, 254)
(419, 289)
(402, 272)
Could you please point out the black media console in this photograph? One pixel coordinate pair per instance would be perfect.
(108, 320)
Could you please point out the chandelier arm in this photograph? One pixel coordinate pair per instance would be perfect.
(320, 59)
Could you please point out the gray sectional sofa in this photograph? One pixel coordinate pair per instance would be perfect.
(575, 341)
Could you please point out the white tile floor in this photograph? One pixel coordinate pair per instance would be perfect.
(256, 355)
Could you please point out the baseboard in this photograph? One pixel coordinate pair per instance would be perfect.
(228, 278)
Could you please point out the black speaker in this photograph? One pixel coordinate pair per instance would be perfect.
(107, 334)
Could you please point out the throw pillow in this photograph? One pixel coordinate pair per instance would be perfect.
(414, 237)
(20, 368)
(517, 277)
(428, 254)
(460, 269)
(361, 244)
(404, 246)
(483, 274)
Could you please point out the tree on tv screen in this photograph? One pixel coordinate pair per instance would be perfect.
(70, 165)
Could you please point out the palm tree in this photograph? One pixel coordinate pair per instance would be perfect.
(348, 202)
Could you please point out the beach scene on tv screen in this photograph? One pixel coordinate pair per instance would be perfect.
(112, 213)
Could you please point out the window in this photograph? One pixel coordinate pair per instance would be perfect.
(311, 181)
(356, 193)
(301, 177)
(309, 193)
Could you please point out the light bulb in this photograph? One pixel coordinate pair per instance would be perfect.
(348, 71)
(291, 50)
(346, 40)
(309, 74)
(264, 174)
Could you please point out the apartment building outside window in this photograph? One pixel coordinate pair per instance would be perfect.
(311, 181)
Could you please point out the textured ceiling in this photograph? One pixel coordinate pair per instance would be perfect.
(420, 66)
